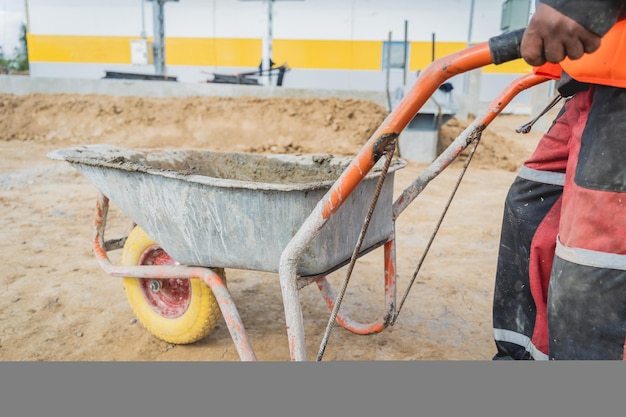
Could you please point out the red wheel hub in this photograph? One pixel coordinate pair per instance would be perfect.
(168, 297)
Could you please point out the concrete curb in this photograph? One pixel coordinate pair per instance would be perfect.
(21, 85)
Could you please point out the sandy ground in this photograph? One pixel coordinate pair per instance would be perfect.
(56, 304)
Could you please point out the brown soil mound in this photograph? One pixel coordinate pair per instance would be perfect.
(249, 124)
(276, 125)
(493, 151)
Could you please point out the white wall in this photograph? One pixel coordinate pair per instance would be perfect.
(308, 19)
(449, 20)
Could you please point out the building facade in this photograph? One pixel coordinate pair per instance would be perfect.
(327, 44)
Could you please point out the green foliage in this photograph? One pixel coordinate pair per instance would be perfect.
(18, 61)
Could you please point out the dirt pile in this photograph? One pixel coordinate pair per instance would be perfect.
(249, 124)
(493, 151)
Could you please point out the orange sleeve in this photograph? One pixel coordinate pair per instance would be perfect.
(549, 70)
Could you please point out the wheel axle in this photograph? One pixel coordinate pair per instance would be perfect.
(155, 285)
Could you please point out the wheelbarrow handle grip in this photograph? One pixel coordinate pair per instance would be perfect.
(506, 47)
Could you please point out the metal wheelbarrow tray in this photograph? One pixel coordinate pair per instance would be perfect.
(234, 210)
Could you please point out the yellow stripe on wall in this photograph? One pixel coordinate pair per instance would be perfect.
(421, 53)
(518, 66)
(213, 52)
(342, 55)
(116, 50)
(310, 54)
(185, 51)
(85, 49)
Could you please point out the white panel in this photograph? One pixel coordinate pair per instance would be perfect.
(119, 18)
(188, 19)
(236, 19)
(374, 19)
(308, 19)
(314, 19)
(113, 18)
(449, 20)
(139, 52)
(487, 14)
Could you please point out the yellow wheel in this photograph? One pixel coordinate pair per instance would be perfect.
(178, 311)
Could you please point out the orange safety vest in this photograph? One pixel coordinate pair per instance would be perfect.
(549, 70)
(606, 65)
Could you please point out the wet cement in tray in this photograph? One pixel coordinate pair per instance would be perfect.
(274, 169)
(287, 169)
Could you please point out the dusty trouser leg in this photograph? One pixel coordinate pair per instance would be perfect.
(586, 312)
(587, 293)
(514, 310)
(529, 229)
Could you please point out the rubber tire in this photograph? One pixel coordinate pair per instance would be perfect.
(199, 317)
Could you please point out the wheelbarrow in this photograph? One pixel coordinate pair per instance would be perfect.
(195, 213)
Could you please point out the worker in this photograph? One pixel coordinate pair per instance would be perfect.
(560, 287)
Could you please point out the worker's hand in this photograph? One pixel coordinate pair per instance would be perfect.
(551, 36)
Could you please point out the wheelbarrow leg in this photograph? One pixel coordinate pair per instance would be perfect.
(229, 311)
(390, 297)
(293, 309)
